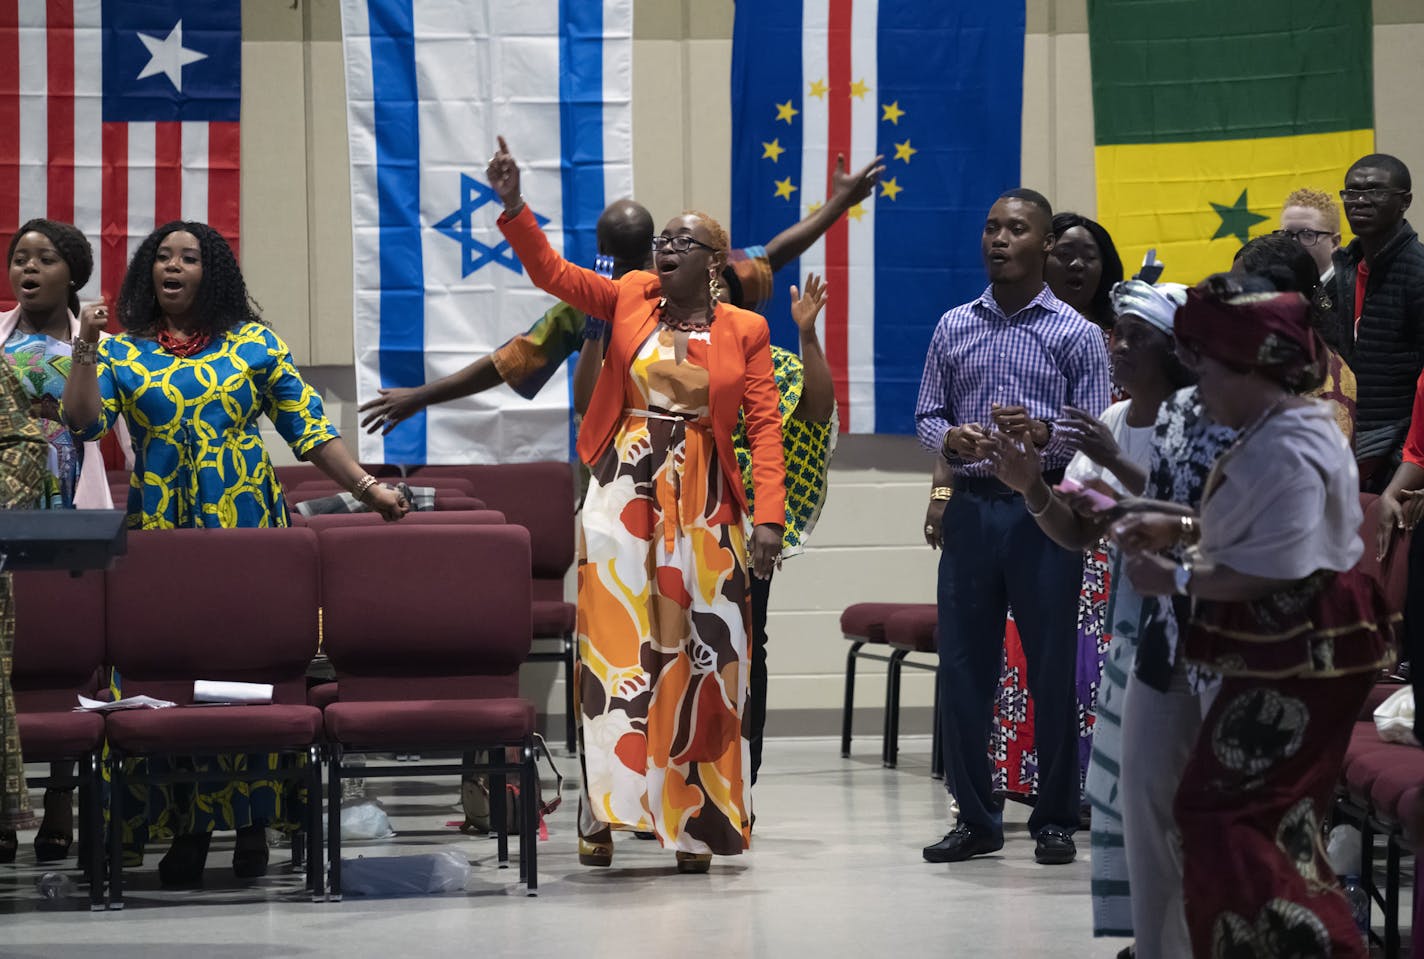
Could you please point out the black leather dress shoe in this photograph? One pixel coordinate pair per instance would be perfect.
(961, 843)
(1055, 847)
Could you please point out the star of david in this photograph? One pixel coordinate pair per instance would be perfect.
(459, 226)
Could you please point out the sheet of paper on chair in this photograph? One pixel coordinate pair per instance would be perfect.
(208, 691)
(88, 705)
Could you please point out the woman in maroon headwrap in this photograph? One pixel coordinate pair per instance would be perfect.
(1281, 612)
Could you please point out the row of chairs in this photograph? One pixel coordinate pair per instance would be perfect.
(426, 625)
(538, 496)
(890, 633)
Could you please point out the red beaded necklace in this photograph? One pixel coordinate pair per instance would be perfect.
(184, 348)
(684, 326)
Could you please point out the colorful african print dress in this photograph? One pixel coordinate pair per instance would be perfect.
(22, 473)
(41, 363)
(808, 448)
(662, 619)
(199, 461)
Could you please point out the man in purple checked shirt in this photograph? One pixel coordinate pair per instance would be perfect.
(1007, 363)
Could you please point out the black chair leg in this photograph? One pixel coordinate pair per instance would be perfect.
(529, 840)
(570, 716)
(91, 813)
(333, 821)
(936, 757)
(1391, 898)
(890, 749)
(116, 830)
(848, 711)
(316, 865)
(499, 813)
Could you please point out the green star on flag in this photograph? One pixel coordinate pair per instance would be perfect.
(1236, 220)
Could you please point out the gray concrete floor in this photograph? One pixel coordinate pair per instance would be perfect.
(835, 870)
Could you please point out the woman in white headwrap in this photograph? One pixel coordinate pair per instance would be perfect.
(1111, 463)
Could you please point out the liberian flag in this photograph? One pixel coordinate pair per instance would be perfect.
(429, 85)
(1209, 114)
(118, 117)
(936, 86)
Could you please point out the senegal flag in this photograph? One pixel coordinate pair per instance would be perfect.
(1209, 112)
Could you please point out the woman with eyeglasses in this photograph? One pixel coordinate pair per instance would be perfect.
(1279, 609)
(663, 607)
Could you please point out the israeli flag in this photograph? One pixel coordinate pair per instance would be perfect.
(429, 85)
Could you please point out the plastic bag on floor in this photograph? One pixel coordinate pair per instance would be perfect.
(1394, 718)
(405, 875)
(365, 820)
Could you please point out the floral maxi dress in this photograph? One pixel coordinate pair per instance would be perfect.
(663, 618)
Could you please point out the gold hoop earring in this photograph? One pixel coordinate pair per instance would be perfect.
(714, 289)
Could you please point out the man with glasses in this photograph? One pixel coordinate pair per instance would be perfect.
(1378, 291)
(1312, 219)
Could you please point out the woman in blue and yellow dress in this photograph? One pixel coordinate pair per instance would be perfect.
(192, 373)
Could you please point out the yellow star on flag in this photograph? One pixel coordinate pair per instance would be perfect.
(772, 151)
(812, 208)
(903, 151)
(856, 212)
(819, 89)
(785, 111)
(889, 188)
(893, 113)
(858, 89)
(784, 189)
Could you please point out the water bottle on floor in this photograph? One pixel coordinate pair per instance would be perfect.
(1359, 902)
(54, 885)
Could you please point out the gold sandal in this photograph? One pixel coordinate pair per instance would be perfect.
(694, 863)
(593, 853)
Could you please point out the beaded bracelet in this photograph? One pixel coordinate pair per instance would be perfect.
(363, 485)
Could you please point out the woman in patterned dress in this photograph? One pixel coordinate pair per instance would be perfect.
(23, 452)
(664, 626)
(49, 263)
(192, 373)
(1280, 610)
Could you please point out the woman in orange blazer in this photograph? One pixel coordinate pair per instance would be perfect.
(663, 613)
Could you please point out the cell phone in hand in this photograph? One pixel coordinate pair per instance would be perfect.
(1101, 501)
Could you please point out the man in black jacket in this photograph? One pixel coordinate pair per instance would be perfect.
(1379, 296)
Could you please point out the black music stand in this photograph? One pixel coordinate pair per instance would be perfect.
(72, 539)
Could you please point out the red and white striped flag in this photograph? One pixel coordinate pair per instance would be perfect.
(119, 116)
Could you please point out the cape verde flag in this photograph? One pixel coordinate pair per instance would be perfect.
(936, 86)
(429, 86)
(119, 117)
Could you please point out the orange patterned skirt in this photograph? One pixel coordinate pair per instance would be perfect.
(663, 640)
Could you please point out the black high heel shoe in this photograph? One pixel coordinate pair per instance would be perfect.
(182, 866)
(52, 843)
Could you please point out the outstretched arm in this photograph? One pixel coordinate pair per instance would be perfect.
(847, 189)
(399, 403)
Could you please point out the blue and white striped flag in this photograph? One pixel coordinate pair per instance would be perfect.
(429, 84)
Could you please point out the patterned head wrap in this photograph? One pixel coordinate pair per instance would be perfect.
(1155, 304)
(1269, 332)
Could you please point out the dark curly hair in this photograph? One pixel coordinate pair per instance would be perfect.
(71, 244)
(222, 303)
(1112, 263)
(1281, 261)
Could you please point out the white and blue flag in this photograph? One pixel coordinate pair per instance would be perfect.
(429, 85)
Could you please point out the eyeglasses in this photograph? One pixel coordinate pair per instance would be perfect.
(679, 244)
(1304, 237)
(1375, 196)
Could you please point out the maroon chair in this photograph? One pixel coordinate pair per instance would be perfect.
(458, 504)
(453, 485)
(539, 497)
(59, 652)
(471, 517)
(293, 475)
(246, 611)
(863, 624)
(426, 627)
(913, 630)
